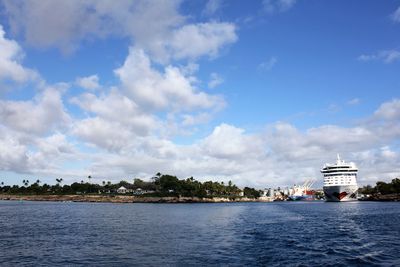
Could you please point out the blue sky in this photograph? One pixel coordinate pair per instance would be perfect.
(262, 93)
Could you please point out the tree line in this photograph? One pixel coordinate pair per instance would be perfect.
(382, 188)
(159, 185)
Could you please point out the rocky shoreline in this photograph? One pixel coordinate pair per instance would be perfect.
(125, 199)
(388, 197)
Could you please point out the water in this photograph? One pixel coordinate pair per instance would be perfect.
(254, 234)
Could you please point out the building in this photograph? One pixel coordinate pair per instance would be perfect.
(122, 190)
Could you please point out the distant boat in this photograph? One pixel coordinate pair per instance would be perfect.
(301, 192)
(340, 181)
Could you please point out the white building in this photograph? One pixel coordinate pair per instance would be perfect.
(121, 190)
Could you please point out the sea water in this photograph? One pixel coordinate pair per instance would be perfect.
(222, 234)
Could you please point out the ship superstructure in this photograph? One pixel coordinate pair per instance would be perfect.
(340, 180)
(302, 192)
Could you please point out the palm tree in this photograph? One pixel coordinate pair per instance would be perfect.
(38, 181)
(25, 182)
(89, 177)
(59, 181)
(2, 183)
(104, 183)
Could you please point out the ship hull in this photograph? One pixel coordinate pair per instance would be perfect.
(340, 193)
(301, 198)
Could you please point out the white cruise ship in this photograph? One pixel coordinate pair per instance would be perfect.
(340, 181)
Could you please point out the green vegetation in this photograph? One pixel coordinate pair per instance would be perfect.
(382, 188)
(160, 185)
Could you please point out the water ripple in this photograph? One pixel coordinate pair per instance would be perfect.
(255, 234)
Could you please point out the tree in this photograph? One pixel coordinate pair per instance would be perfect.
(384, 188)
(396, 185)
(251, 192)
(89, 178)
(59, 181)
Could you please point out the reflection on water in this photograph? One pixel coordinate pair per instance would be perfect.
(296, 233)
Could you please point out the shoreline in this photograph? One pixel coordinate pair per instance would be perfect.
(125, 199)
(144, 199)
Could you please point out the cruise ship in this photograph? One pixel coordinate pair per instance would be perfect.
(340, 181)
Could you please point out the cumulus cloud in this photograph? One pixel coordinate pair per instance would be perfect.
(155, 26)
(227, 141)
(114, 120)
(23, 153)
(89, 82)
(280, 155)
(13, 155)
(103, 133)
(169, 89)
(194, 40)
(125, 125)
(59, 24)
(386, 56)
(11, 55)
(389, 110)
(39, 116)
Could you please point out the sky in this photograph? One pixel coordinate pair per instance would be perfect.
(262, 93)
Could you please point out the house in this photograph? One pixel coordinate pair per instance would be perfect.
(138, 191)
(121, 190)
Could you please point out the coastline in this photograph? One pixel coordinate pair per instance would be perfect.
(125, 199)
(383, 198)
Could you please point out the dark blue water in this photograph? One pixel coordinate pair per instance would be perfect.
(269, 234)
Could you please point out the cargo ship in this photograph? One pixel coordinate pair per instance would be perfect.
(302, 192)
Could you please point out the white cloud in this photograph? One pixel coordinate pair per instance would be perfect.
(103, 133)
(212, 7)
(201, 118)
(170, 89)
(89, 82)
(155, 26)
(23, 153)
(354, 101)
(396, 15)
(10, 61)
(194, 40)
(116, 123)
(118, 108)
(227, 141)
(278, 156)
(13, 155)
(269, 64)
(39, 116)
(215, 80)
(50, 23)
(271, 6)
(389, 110)
(386, 56)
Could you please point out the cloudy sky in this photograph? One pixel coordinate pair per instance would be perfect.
(259, 92)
